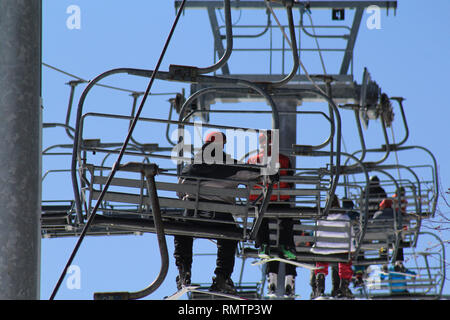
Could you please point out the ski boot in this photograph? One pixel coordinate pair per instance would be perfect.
(222, 284)
(320, 285)
(344, 290)
(287, 253)
(183, 279)
(289, 287)
(272, 285)
(264, 251)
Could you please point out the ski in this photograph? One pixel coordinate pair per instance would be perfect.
(177, 295)
(293, 262)
(218, 294)
(399, 274)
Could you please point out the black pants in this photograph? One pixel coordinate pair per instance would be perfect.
(226, 249)
(286, 238)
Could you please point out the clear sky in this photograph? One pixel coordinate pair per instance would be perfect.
(407, 56)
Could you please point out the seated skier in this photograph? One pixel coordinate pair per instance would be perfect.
(286, 235)
(322, 247)
(207, 165)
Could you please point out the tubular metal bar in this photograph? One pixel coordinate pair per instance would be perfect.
(313, 4)
(237, 82)
(54, 125)
(159, 75)
(195, 95)
(443, 262)
(229, 36)
(261, 212)
(386, 148)
(151, 185)
(436, 175)
(73, 85)
(135, 96)
(330, 36)
(338, 146)
(361, 136)
(293, 44)
(402, 111)
(266, 28)
(408, 169)
(117, 163)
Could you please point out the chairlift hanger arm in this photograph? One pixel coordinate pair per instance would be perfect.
(402, 111)
(149, 171)
(292, 44)
(222, 63)
(73, 84)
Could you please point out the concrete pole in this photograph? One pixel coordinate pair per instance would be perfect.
(20, 148)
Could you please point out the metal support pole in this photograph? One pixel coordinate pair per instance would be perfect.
(20, 145)
(287, 136)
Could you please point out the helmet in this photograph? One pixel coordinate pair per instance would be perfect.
(374, 179)
(400, 191)
(347, 203)
(215, 136)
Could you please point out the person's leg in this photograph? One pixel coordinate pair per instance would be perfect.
(286, 232)
(345, 273)
(226, 252)
(262, 240)
(286, 238)
(272, 277)
(289, 280)
(335, 281)
(183, 259)
(320, 278)
(312, 283)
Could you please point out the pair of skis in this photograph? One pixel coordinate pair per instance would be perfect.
(195, 289)
(293, 262)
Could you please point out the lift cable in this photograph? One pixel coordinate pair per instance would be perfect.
(82, 80)
(122, 152)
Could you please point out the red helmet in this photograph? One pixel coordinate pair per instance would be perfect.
(216, 136)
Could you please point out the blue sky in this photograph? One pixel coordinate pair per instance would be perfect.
(407, 57)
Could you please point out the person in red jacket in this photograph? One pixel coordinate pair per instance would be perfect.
(286, 235)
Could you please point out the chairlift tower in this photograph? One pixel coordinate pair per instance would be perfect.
(20, 132)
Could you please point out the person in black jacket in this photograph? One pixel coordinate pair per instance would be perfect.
(376, 195)
(207, 165)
